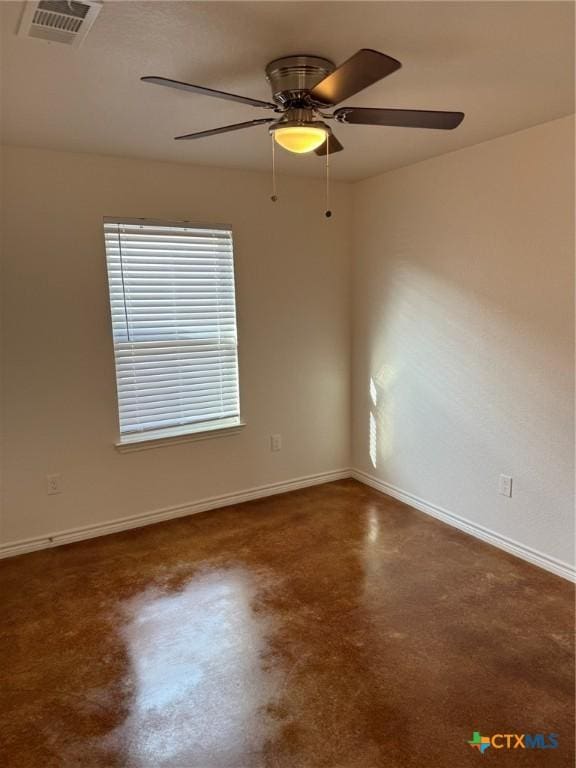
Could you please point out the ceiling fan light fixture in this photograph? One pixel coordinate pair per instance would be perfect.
(301, 139)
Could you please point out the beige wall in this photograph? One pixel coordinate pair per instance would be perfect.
(463, 322)
(60, 409)
(462, 333)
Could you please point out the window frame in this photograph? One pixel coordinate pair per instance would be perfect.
(139, 441)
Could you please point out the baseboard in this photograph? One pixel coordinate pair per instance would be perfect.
(558, 567)
(551, 564)
(167, 513)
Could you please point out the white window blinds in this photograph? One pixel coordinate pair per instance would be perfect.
(174, 327)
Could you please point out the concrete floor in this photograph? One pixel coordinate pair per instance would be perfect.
(327, 628)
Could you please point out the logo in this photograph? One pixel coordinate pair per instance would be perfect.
(514, 741)
(481, 743)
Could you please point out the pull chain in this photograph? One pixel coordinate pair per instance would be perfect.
(328, 212)
(273, 196)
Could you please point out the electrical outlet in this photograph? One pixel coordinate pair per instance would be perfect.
(53, 484)
(505, 485)
(275, 442)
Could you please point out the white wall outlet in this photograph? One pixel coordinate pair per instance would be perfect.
(53, 484)
(505, 485)
(275, 442)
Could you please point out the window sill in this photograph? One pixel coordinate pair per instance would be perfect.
(174, 437)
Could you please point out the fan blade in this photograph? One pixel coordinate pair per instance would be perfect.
(330, 146)
(207, 91)
(358, 72)
(404, 118)
(225, 129)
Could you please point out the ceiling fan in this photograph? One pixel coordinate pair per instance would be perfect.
(304, 86)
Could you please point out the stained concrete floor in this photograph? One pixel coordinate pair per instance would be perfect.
(327, 628)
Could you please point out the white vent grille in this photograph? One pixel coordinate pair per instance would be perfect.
(59, 21)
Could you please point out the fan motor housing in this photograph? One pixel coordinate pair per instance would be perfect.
(292, 77)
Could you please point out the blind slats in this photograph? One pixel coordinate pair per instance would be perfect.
(173, 313)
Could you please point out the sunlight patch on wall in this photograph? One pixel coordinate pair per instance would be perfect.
(373, 392)
(373, 440)
(380, 428)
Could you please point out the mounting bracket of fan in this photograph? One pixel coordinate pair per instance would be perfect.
(291, 78)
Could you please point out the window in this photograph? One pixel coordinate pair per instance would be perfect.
(174, 326)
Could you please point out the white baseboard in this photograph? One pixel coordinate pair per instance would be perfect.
(558, 567)
(167, 513)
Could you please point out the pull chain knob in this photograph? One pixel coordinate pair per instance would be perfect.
(273, 196)
(328, 212)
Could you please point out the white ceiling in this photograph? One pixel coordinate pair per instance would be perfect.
(507, 65)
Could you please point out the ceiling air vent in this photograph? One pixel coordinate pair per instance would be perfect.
(59, 21)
